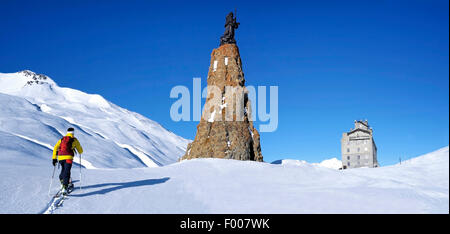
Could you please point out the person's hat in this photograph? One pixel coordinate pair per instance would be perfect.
(70, 130)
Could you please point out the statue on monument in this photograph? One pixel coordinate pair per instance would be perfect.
(226, 128)
(230, 26)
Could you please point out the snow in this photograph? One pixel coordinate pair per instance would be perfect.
(332, 163)
(211, 118)
(290, 162)
(130, 166)
(99, 101)
(36, 141)
(41, 113)
(215, 65)
(14, 82)
(142, 156)
(83, 162)
(420, 185)
(45, 108)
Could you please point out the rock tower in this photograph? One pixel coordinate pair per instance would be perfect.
(225, 129)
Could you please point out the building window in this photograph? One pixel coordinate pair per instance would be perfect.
(348, 164)
(358, 149)
(348, 150)
(348, 157)
(359, 157)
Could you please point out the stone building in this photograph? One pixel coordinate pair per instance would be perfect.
(358, 147)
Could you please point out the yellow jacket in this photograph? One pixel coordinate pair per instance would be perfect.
(75, 146)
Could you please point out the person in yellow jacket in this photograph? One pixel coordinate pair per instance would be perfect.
(63, 152)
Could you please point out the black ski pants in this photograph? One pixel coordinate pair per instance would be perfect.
(66, 166)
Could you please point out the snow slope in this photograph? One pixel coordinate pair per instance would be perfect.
(420, 185)
(36, 112)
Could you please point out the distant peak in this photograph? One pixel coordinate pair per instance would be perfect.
(27, 73)
(35, 78)
(34, 75)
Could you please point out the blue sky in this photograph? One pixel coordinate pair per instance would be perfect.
(333, 61)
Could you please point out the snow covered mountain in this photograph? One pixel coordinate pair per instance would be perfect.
(35, 112)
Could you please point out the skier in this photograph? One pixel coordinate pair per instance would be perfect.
(63, 152)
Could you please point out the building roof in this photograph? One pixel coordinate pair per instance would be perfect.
(359, 129)
(365, 122)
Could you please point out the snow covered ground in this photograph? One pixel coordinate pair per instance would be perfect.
(420, 185)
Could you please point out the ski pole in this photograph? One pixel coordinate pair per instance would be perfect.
(80, 172)
(51, 180)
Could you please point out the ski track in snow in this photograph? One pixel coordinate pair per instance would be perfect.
(53, 205)
(56, 203)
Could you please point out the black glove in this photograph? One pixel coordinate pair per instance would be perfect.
(54, 162)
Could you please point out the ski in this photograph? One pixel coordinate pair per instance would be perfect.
(62, 197)
(58, 194)
(61, 200)
(58, 200)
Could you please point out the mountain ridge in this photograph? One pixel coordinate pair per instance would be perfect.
(94, 118)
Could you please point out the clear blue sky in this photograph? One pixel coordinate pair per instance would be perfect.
(334, 62)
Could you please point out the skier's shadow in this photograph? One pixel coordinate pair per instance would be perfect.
(116, 186)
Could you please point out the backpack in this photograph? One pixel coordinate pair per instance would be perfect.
(65, 147)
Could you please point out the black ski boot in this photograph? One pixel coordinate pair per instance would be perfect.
(65, 190)
(70, 187)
